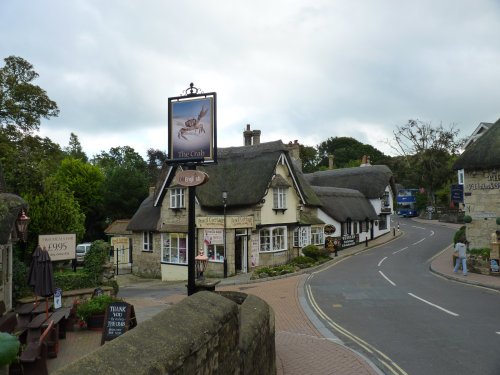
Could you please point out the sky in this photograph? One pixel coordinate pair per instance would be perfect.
(303, 70)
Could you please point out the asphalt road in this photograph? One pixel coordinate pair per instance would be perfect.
(386, 304)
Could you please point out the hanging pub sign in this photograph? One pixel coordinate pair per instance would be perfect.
(192, 127)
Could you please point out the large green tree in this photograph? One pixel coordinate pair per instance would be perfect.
(126, 181)
(347, 152)
(22, 103)
(75, 149)
(86, 182)
(27, 160)
(427, 152)
(54, 210)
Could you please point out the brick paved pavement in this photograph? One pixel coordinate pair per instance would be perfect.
(300, 346)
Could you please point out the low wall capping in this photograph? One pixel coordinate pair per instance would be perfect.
(204, 333)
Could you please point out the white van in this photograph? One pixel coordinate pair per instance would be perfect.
(81, 251)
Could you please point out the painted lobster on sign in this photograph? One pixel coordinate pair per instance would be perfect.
(193, 124)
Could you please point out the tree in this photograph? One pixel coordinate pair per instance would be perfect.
(156, 159)
(427, 151)
(27, 160)
(86, 182)
(74, 148)
(309, 158)
(22, 103)
(126, 181)
(348, 152)
(54, 210)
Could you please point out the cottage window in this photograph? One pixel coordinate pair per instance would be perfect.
(147, 241)
(177, 198)
(279, 197)
(347, 227)
(364, 226)
(382, 222)
(174, 248)
(301, 236)
(317, 236)
(272, 239)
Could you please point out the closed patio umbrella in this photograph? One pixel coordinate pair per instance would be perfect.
(44, 285)
(33, 268)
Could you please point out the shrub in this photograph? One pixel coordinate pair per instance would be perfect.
(69, 280)
(95, 258)
(467, 219)
(459, 234)
(20, 279)
(274, 271)
(94, 306)
(303, 261)
(311, 251)
(483, 252)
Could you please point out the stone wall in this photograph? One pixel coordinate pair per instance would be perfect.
(482, 203)
(205, 333)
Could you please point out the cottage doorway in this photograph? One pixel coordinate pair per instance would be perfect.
(241, 251)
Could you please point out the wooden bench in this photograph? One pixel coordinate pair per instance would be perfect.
(34, 357)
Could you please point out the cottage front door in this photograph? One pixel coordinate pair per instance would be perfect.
(241, 251)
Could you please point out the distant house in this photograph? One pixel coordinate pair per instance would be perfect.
(270, 213)
(479, 169)
(121, 242)
(374, 183)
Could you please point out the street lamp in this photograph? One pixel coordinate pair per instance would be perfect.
(22, 225)
(201, 264)
(224, 201)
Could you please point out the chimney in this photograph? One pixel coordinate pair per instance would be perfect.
(256, 137)
(294, 151)
(365, 161)
(330, 162)
(247, 136)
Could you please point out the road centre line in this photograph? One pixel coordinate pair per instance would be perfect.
(387, 362)
(379, 263)
(398, 251)
(433, 305)
(385, 277)
(416, 243)
(414, 226)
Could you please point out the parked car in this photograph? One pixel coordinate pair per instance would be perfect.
(81, 251)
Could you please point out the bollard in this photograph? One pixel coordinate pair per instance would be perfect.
(366, 242)
(394, 232)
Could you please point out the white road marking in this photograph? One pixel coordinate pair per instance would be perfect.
(385, 277)
(416, 243)
(379, 263)
(433, 305)
(414, 226)
(432, 233)
(398, 251)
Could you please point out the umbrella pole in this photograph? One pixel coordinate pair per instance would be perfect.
(46, 307)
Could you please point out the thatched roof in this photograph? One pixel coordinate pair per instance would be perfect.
(146, 217)
(371, 181)
(10, 208)
(246, 173)
(342, 204)
(484, 153)
(118, 227)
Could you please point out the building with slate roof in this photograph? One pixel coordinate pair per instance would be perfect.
(269, 214)
(479, 171)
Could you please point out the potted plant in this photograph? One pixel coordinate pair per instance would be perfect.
(9, 347)
(92, 311)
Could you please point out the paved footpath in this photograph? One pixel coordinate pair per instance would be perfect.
(300, 346)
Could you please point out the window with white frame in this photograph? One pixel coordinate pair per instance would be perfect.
(147, 241)
(279, 198)
(177, 198)
(317, 236)
(174, 248)
(386, 202)
(272, 239)
(301, 236)
(213, 239)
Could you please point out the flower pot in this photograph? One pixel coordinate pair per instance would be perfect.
(95, 322)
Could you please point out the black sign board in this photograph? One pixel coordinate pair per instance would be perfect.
(457, 193)
(119, 318)
(348, 240)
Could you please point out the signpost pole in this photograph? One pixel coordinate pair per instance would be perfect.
(191, 238)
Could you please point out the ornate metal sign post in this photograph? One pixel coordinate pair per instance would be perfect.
(192, 125)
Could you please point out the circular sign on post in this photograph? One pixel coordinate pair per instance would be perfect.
(191, 178)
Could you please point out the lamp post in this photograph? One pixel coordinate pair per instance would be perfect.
(224, 201)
